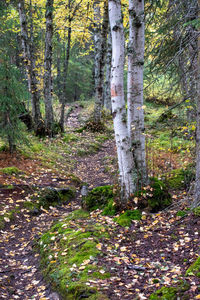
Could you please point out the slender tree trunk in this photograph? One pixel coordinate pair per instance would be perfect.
(58, 79)
(125, 157)
(135, 89)
(29, 61)
(107, 95)
(100, 37)
(197, 183)
(47, 68)
(65, 72)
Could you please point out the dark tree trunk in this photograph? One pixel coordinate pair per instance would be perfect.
(47, 68)
(65, 71)
(29, 61)
(100, 37)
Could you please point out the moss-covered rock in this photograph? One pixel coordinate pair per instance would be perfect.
(99, 197)
(126, 218)
(52, 197)
(155, 197)
(10, 171)
(172, 293)
(194, 269)
(69, 252)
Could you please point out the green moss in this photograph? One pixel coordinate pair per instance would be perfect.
(99, 197)
(36, 147)
(180, 178)
(52, 197)
(155, 196)
(69, 256)
(196, 211)
(10, 171)
(171, 293)
(126, 218)
(181, 213)
(70, 137)
(109, 209)
(194, 269)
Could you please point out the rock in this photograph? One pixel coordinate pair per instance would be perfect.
(54, 296)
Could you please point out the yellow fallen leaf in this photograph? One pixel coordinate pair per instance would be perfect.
(99, 246)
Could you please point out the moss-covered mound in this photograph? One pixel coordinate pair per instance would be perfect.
(155, 197)
(10, 171)
(53, 197)
(180, 178)
(99, 197)
(126, 218)
(70, 251)
(194, 269)
(171, 293)
(196, 211)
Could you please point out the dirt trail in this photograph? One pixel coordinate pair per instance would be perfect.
(20, 276)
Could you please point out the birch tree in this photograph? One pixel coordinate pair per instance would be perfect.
(29, 61)
(125, 157)
(107, 95)
(135, 89)
(47, 68)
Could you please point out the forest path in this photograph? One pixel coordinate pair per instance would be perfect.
(161, 245)
(20, 276)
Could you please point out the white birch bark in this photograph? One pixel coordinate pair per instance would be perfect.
(125, 157)
(135, 89)
(97, 63)
(107, 94)
(47, 68)
(197, 182)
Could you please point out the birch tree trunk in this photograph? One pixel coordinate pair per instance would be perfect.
(65, 71)
(125, 157)
(58, 78)
(29, 60)
(135, 89)
(107, 94)
(197, 183)
(47, 68)
(100, 37)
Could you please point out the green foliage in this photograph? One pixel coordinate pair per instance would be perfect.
(10, 171)
(155, 197)
(11, 106)
(77, 254)
(99, 197)
(194, 269)
(126, 218)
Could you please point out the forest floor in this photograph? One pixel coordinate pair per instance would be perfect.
(152, 253)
